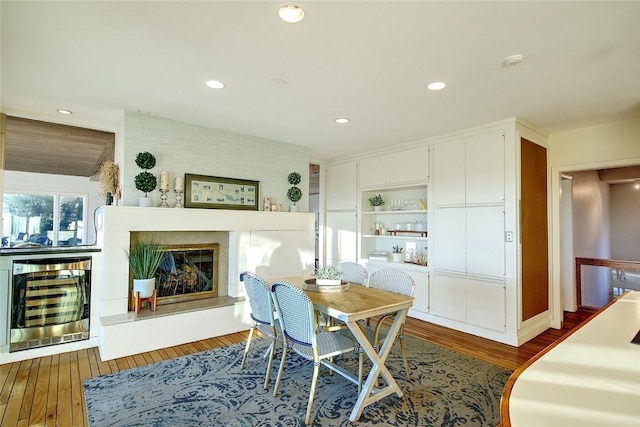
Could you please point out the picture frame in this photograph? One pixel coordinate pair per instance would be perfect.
(214, 192)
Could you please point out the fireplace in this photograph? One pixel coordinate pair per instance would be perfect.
(187, 272)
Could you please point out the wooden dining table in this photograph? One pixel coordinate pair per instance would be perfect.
(359, 303)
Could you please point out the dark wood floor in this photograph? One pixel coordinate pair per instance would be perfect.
(47, 391)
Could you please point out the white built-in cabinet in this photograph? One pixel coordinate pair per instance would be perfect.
(470, 184)
(342, 186)
(399, 167)
(468, 251)
(341, 240)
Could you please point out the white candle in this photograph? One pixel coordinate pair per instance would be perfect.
(164, 181)
(179, 183)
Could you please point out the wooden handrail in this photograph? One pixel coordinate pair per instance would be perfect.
(598, 262)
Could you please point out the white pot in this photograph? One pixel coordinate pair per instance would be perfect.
(331, 282)
(377, 208)
(144, 202)
(293, 208)
(144, 286)
(397, 257)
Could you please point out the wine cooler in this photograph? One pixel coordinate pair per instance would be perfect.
(50, 302)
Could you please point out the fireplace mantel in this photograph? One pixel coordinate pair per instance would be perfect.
(272, 244)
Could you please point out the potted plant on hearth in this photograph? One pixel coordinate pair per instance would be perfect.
(294, 194)
(144, 259)
(145, 181)
(377, 202)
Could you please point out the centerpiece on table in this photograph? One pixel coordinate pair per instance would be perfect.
(328, 279)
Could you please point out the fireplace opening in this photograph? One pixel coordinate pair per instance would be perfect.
(187, 272)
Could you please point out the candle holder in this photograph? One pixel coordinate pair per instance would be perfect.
(178, 199)
(163, 198)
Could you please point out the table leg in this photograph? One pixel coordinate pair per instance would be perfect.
(368, 395)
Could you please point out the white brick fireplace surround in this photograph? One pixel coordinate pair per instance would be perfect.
(272, 244)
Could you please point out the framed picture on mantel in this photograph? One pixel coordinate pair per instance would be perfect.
(214, 192)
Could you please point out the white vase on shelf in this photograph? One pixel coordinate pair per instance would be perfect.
(377, 208)
(144, 202)
(397, 257)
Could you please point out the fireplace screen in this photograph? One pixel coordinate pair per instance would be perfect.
(187, 272)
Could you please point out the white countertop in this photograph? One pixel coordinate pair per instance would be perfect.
(590, 379)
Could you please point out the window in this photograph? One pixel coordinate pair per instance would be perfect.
(43, 219)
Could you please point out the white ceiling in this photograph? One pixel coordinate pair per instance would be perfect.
(366, 60)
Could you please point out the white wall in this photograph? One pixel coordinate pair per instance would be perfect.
(625, 222)
(20, 182)
(591, 235)
(596, 147)
(182, 148)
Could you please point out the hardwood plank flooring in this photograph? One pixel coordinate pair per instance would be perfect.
(47, 391)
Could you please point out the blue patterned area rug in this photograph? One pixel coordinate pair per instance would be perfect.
(210, 389)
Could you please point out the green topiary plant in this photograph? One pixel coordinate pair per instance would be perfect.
(145, 160)
(294, 194)
(145, 181)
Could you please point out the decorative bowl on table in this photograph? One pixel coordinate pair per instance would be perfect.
(315, 285)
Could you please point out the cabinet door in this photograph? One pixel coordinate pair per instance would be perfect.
(409, 165)
(485, 242)
(341, 237)
(421, 295)
(341, 186)
(485, 168)
(486, 304)
(447, 296)
(449, 173)
(447, 251)
(374, 171)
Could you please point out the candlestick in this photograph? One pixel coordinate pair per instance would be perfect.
(163, 198)
(164, 181)
(179, 184)
(178, 199)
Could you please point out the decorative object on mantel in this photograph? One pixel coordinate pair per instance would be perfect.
(145, 181)
(109, 181)
(266, 204)
(144, 259)
(213, 192)
(179, 189)
(294, 194)
(376, 202)
(397, 254)
(164, 189)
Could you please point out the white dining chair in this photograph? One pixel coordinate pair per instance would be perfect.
(263, 316)
(301, 334)
(399, 282)
(353, 272)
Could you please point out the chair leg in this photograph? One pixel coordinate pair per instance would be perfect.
(246, 348)
(314, 381)
(404, 352)
(282, 360)
(269, 364)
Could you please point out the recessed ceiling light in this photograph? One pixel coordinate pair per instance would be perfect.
(215, 84)
(342, 120)
(61, 111)
(436, 86)
(512, 60)
(291, 13)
